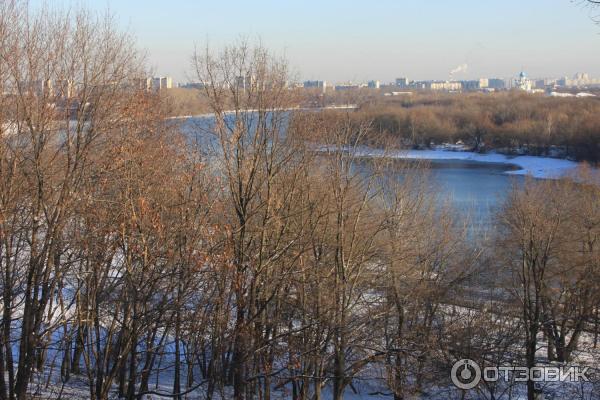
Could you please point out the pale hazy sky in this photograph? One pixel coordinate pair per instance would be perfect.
(341, 40)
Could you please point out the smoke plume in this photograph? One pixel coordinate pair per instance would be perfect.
(460, 68)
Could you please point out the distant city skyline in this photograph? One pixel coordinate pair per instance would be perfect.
(354, 41)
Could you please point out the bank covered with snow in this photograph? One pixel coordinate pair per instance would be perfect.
(538, 167)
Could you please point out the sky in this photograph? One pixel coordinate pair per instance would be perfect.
(353, 40)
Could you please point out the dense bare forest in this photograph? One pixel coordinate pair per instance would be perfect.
(136, 262)
(509, 122)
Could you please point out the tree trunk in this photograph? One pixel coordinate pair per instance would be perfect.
(177, 377)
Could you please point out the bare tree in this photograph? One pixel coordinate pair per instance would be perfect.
(425, 265)
(256, 160)
(68, 77)
(548, 226)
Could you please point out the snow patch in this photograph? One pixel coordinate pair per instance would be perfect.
(537, 167)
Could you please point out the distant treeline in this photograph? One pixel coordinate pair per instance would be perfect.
(506, 122)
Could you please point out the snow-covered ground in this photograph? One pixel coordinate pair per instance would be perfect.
(537, 167)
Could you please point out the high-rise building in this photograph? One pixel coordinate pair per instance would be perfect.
(162, 82)
(315, 85)
(144, 83)
(347, 86)
(496, 83)
(443, 85)
(166, 82)
(65, 88)
(477, 84)
(373, 84)
(61, 88)
(578, 80)
(245, 82)
(191, 85)
(402, 82)
(470, 85)
(562, 81)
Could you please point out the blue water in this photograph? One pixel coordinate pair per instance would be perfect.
(476, 190)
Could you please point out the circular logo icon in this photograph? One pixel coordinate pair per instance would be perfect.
(465, 374)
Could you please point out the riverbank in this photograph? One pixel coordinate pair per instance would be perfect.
(297, 108)
(537, 167)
